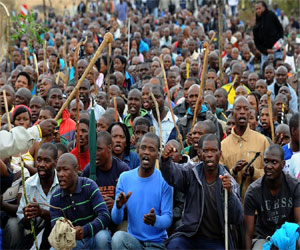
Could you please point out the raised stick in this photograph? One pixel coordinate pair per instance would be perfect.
(234, 80)
(271, 115)
(187, 68)
(116, 110)
(226, 217)
(220, 24)
(36, 65)
(158, 118)
(107, 39)
(7, 111)
(45, 57)
(203, 73)
(169, 101)
(65, 59)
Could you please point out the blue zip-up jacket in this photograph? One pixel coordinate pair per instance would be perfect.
(188, 178)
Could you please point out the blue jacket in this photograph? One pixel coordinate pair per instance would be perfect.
(188, 179)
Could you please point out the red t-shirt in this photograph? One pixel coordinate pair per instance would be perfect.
(84, 157)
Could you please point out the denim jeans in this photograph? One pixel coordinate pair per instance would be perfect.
(277, 54)
(196, 242)
(124, 240)
(102, 240)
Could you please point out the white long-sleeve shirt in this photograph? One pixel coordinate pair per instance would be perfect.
(18, 140)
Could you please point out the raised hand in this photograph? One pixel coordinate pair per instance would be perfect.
(122, 199)
(168, 151)
(150, 218)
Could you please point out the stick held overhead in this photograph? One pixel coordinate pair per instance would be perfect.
(108, 38)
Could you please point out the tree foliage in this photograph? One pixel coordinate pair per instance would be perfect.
(27, 26)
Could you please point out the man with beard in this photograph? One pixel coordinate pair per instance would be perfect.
(66, 126)
(271, 201)
(201, 128)
(108, 168)
(181, 108)
(202, 224)
(203, 112)
(82, 203)
(44, 86)
(222, 101)
(241, 145)
(84, 96)
(134, 109)
(147, 220)
(35, 105)
(269, 74)
(167, 125)
(281, 80)
(40, 188)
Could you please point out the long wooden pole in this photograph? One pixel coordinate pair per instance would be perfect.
(45, 57)
(36, 65)
(271, 115)
(6, 111)
(108, 71)
(203, 73)
(65, 59)
(108, 38)
(170, 105)
(220, 24)
(158, 118)
(226, 217)
(116, 110)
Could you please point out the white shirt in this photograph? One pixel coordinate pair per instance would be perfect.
(295, 165)
(167, 126)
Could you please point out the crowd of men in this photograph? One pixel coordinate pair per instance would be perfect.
(166, 147)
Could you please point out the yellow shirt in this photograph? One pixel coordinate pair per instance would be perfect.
(235, 148)
(231, 94)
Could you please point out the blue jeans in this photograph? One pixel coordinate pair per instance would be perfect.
(277, 54)
(124, 240)
(102, 240)
(196, 242)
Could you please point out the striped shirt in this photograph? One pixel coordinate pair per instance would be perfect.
(85, 207)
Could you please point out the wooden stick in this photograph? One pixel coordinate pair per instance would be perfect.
(187, 68)
(158, 118)
(203, 73)
(170, 105)
(234, 80)
(6, 111)
(36, 65)
(116, 110)
(65, 59)
(78, 129)
(108, 71)
(128, 38)
(213, 37)
(26, 202)
(107, 39)
(26, 56)
(45, 57)
(220, 24)
(271, 115)
(226, 217)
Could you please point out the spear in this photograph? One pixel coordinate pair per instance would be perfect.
(169, 101)
(205, 45)
(108, 38)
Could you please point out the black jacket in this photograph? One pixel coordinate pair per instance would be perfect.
(189, 179)
(267, 31)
